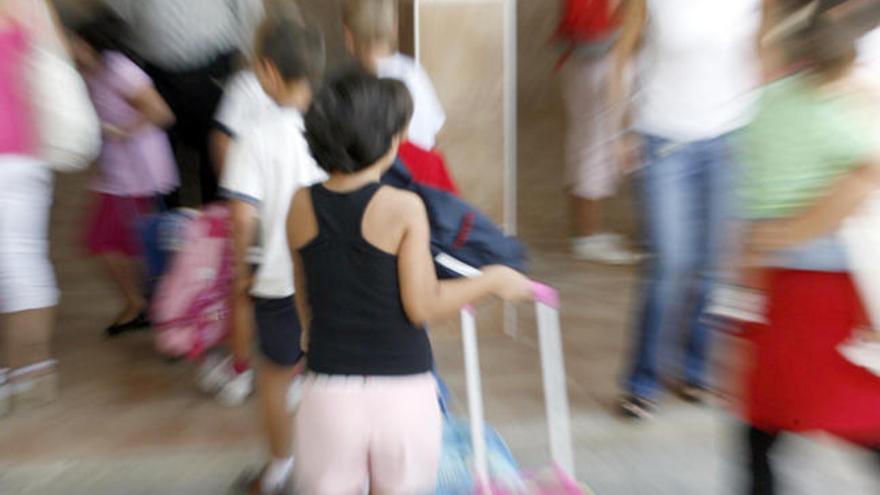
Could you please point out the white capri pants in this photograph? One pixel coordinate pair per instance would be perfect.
(27, 280)
(591, 169)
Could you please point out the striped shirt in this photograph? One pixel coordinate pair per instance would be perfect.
(181, 35)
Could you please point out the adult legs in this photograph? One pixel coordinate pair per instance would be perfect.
(714, 224)
(592, 175)
(669, 200)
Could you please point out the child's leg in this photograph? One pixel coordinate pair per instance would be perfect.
(406, 437)
(25, 344)
(278, 327)
(273, 383)
(760, 472)
(332, 437)
(127, 276)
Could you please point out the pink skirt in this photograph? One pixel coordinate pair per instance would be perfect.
(113, 227)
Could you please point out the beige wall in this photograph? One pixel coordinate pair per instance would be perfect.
(461, 47)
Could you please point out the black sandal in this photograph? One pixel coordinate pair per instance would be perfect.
(139, 322)
(693, 394)
(637, 408)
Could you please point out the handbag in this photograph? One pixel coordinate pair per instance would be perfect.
(68, 128)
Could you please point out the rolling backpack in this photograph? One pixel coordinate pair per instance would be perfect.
(191, 307)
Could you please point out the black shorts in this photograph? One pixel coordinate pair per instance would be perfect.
(278, 330)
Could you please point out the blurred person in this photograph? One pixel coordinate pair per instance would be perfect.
(371, 32)
(593, 173)
(267, 164)
(366, 285)
(244, 100)
(244, 104)
(136, 162)
(28, 291)
(695, 65)
(190, 47)
(812, 157)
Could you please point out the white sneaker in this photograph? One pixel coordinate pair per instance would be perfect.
(5, 393)
(236, 391)
(214, 373)
(294, 394)
(609, 249)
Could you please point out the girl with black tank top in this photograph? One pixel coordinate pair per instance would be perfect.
(366, 286)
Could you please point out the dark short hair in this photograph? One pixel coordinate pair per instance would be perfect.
(293, 46)
(354, 118)
(103, 30)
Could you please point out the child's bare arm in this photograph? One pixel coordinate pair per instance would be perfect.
(302, 299)
(244, 227)
(152, 110)
(822, 217)
(427, 299)
(299, 231)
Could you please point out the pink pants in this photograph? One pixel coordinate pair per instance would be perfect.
(381, 432)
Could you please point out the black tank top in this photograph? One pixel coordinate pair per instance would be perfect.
(358, 325)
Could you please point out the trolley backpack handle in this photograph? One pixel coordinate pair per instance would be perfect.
(555, 390)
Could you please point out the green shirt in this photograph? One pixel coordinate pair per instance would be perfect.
(801, 141)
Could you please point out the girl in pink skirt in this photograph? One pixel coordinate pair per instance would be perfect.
(136, 163)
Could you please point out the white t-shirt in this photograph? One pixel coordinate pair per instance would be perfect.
(181, 35)
(869, 56)
(244, 103)
(698, 68)
(428, 116)
(266, 167)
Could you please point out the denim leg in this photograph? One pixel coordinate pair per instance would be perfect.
(716, 173)
(669, 202)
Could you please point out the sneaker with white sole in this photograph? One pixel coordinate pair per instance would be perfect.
(5, 393)
(236, 391)
(214, 373)
(609, 249)
(34, 385)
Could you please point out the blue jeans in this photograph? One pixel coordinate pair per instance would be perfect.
(684, 194)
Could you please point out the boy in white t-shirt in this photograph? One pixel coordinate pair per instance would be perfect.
(265, 167)
(371, 37)
(244, 103)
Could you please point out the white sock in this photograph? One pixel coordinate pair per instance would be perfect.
(277, 473)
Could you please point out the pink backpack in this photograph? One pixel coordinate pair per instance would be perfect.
(191, 306)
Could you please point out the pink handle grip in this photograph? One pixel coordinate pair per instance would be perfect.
(545, 294)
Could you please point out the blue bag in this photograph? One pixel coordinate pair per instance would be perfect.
(458, 229)
(456, 473)
(160, 235)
